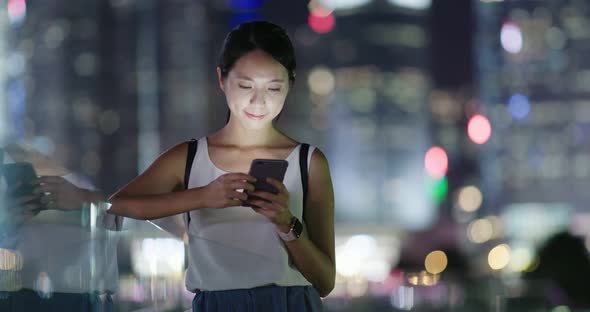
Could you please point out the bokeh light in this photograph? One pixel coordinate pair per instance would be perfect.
(437, 188)
(340, 4)
(480, 231)
(561, 308)
(109, 122)
(243, 17)
(17, 11)
(479, 129)
(521, 259)
(245, 4)
(511, 37)
(519, 106)
(157, 257)
(412, 4)
(422, 278)
(436, 262)
(469, 198)
(10, 260)
(321, 21)
(318, 8)
(499, 257)
(436, 162)
(44, 285)
(321, 81)
(403, 298)
(556, 38)
(357, 286)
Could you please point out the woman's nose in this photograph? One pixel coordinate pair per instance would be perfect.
(257, 98)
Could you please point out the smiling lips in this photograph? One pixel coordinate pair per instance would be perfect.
(255, 117)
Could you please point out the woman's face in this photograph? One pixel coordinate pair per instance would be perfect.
(255, 89)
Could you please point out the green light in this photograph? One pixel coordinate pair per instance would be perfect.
(437, 189)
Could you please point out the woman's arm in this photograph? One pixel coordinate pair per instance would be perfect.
(150, 195)
(159, 191)
(313, 254)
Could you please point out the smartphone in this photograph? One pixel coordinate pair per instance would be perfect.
(267, 168)
(21, 172)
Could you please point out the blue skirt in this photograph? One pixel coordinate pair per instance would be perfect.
(268, 298)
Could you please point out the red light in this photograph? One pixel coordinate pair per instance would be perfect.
(479, 129)
(436, 162)
(321, 21)
(16, 9)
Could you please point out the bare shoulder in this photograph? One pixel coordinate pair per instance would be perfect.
(173, 156)
(165, 174)
(177, 151)
(319, 162)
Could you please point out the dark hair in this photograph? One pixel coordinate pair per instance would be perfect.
(258, 35)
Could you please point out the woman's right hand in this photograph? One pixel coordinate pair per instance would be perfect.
(223, 191)
(19, 209)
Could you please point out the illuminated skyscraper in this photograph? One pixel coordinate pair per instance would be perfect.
(534, 83)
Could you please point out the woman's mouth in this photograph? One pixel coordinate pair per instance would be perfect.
(254, 116)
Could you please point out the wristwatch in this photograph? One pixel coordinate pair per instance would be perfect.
(294, 232)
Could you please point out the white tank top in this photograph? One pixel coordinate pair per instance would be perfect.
(234, 247)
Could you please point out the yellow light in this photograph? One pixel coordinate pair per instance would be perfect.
(436, 262)
(10, 260)
(521, 259)
(533, 265)
(469, 198)
(497, 226)
(357, 286)
(422, 278)
(480, 231)
(561, 308)
(499, 257)
(321, 81)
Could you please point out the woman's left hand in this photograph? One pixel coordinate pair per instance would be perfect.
(60, 194)
(273, 206)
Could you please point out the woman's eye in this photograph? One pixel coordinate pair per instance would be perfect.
(274, 89)
(244, 87)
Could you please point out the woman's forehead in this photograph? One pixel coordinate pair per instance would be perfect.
(258, 65)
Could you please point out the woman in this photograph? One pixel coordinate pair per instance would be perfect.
(241, 258)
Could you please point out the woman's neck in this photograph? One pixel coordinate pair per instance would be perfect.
(235, 134)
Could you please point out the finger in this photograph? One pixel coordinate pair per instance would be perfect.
(45, 199)
(240, 177)
(51, 205)
(278, 184)
(263, 204)
(266, 195)
(49, 188)
(249, 187)
(259, 210)
(265, 212)
(234, 203)
(241, 185)
(37, 190)
(240, 196)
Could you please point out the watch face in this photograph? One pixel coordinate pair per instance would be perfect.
(297, 228)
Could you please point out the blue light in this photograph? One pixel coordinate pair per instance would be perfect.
(243, 17)
(519, 106)
(245, 4)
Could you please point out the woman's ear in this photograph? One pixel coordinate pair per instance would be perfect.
(220, 79)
